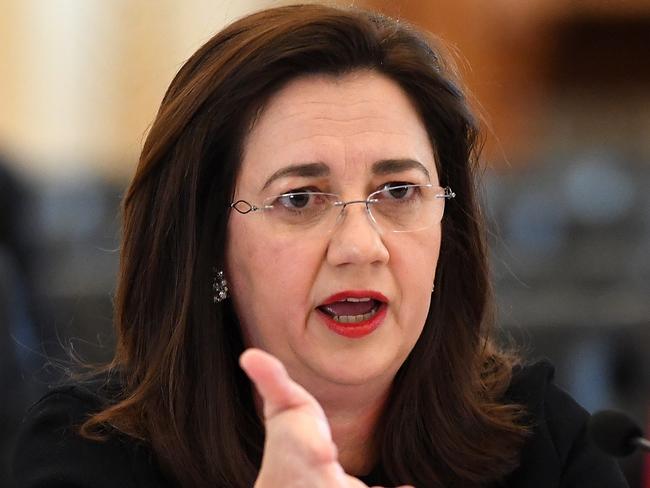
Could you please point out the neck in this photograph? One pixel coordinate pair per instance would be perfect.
(353, 422)
(352, 411)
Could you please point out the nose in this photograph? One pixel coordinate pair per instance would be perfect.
(355, 239)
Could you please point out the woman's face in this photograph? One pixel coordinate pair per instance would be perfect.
(337, 135)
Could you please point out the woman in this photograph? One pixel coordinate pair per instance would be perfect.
(307, 189)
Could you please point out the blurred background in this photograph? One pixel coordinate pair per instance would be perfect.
(564, 91)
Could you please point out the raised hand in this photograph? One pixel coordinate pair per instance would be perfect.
(299, 450)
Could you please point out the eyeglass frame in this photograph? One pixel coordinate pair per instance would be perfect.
(447, 195)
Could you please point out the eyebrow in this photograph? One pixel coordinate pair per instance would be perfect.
(320, 169)
(306, 170)
(390, 166)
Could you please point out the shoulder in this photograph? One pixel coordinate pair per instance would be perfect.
(558, 451)
(51, 452)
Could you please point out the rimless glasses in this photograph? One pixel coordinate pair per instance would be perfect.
(396, 207)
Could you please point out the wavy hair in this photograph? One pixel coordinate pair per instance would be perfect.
(182, 392)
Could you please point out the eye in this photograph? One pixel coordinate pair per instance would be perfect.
(298, 198)
(295, 200)
(398, 190)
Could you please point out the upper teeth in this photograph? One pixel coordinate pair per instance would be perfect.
(357, 299)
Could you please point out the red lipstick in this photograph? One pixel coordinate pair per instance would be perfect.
(337, 297)
(355, 330)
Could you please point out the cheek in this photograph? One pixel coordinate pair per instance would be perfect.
(285, 269)
(415, 265)
(418, 256)
(270, 283)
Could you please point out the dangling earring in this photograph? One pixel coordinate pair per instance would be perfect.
(433, 288)
(219, 286)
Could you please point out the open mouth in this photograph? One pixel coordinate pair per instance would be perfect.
(352, 310)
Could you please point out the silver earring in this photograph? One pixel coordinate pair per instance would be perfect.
(433, 288)
(219, 286)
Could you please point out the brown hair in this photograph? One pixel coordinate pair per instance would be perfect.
(446, 423)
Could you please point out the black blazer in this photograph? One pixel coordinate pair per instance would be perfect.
(49, 454)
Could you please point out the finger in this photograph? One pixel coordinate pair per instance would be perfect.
(400, 486)
(273, 383)
(353, 482)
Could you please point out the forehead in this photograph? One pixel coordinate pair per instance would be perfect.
(346, 122)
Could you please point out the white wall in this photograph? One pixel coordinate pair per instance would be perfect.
(82, 79)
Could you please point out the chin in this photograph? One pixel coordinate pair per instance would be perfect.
(354, 367)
